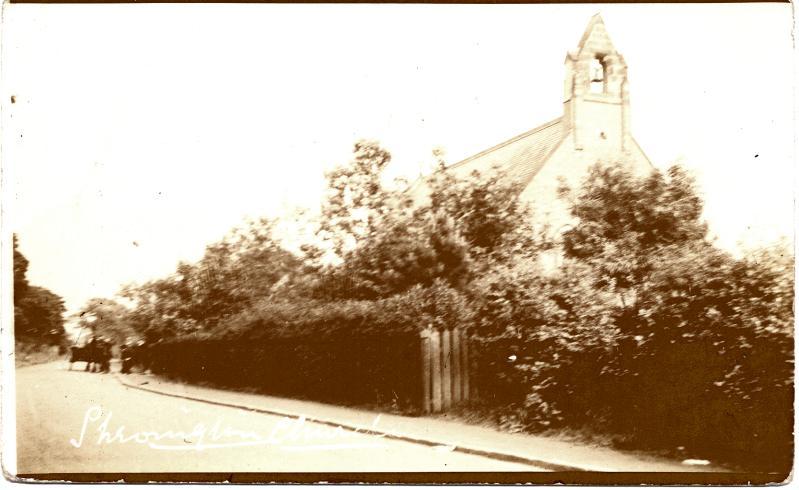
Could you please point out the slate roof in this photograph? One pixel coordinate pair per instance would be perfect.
(521, 156)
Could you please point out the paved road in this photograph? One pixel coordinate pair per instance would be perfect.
(72, 421)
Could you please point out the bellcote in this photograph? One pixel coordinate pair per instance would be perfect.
(595, 68)
(596, 75)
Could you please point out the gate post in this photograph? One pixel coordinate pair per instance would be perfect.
(457, 366)
(426, 348)
(446, 369)
(435, 363)
(467, 366)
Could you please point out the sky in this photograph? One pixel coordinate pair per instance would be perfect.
(141, 133)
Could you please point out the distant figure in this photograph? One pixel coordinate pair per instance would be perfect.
(126, 355)
(134, 355)
(104, 356)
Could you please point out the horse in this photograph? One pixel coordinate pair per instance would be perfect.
(84, 353)
(96, 354)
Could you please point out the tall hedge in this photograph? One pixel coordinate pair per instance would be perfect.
(351, 352)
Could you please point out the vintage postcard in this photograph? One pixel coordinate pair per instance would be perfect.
(431, 243)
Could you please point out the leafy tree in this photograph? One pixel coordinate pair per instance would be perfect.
(38, 312)
(155, 310)
(234, 272)
(378, 242)
(648, 331)
(408, 249)
(624, 219)
(20, 272)
(41, 317)
(20, 288)
(356, 201)
(469, 224)
(106, 318)
(488, 213)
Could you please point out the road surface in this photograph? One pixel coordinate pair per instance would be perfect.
(78, 422)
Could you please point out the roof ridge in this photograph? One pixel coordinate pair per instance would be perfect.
(507, 142)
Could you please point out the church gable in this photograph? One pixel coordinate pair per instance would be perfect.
(595, 127)
(568, 165)
(595, 40)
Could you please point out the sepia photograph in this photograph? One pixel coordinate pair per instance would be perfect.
(394, 243)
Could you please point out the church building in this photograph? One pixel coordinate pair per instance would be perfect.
(594, 127)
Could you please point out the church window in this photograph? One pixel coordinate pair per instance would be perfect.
(597, 75)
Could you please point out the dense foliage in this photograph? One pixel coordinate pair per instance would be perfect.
(234, 273)
(642, 330)
(350, 351)
(38, 312)
(648, 332)
(104, 317)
